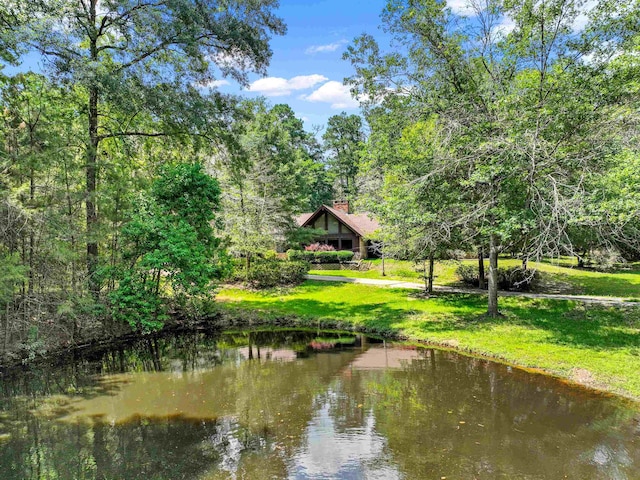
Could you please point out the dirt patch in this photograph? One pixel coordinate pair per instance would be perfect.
(582, 376)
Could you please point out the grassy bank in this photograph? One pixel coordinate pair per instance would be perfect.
(556, 278)
(594, 346)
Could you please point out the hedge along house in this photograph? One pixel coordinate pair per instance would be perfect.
(344, 230)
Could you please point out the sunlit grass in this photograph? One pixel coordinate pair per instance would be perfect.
(566, 339)
(556, 277)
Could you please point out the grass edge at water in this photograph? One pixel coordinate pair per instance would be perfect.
(598, 347)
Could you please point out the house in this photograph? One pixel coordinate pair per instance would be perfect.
(344, 230)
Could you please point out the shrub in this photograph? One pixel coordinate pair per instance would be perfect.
(293, 273)
(469, 275)
(605, 260)
(345, 256)
(320, 256)
(300, 255)
(514, 278)
(272, 273)
(456, 255)
(326, 257)
(270, 255)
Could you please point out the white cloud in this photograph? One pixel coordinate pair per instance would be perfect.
(462, 7)
(335, 93)
(505, 27)
(280, 87)
(582, 19)
(331, 47)
(215, 84)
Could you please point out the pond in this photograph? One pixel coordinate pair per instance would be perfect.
(302, 404)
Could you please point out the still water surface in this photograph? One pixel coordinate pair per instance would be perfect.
(304, 405)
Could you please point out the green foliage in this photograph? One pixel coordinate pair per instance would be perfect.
(468, 274)
(270, 255)
(170, 244)
(493, 135)
(344, 141)
(271, 273)
(138, 304)
(512, 278)
(122, 88)
(321, 257)
(274, 176)
(12, 274)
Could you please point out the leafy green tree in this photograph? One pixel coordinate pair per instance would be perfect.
(270, 181)
(520, 115)
(344, 140)
(169, 245)
(146, 58)
(315, 182)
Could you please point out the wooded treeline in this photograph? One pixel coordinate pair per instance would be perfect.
(125, 177)
(511, 130)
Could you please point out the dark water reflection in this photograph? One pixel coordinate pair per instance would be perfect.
(303, 405)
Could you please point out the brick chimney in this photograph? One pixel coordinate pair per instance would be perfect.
(341, 205)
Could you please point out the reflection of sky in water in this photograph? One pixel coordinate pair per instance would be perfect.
(604, 456)
(351, 454)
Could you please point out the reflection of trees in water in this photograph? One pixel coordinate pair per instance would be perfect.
(531, 425)
(263, 409)
(142, 448)
(77, 372)
(515, 425)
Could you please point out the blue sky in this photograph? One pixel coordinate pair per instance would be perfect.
(307, 69)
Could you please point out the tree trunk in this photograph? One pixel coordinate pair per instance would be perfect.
(492, 309)
(430, 277)
(92, 171)
(92, 211)
(481, 282)
(424, 275)
(384, 273)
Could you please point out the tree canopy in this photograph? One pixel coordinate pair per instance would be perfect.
(522, 119)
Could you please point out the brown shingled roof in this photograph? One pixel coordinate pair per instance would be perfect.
(360, 223)
(302, 219)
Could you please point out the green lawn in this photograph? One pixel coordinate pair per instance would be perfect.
(597, 346)
(556, 278)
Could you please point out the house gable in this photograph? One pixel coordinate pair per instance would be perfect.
(344, 231)
(324, 219)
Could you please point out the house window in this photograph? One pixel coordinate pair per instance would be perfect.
(332, 224)
(333, 243)
(347, 244)
(319, 223)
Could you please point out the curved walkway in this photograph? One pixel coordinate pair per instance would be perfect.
(612, 301)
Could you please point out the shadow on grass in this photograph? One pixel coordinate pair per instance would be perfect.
(593, 327)
(609, 285)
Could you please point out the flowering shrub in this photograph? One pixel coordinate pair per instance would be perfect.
(319, 247)
(330, 256)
